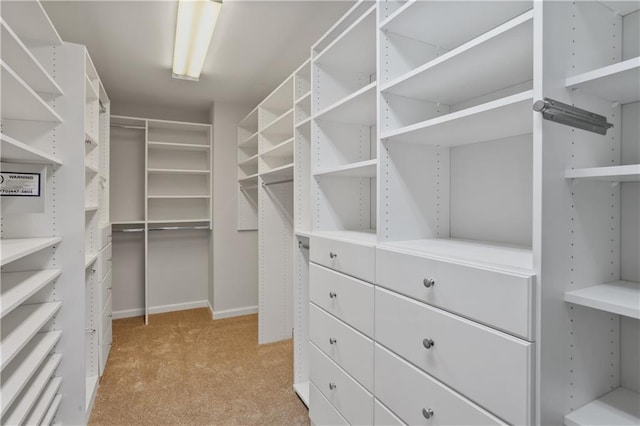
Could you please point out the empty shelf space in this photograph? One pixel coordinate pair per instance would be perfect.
(619, 407)
(89, 259)
(91, 94)
(283, 125)
(360, 236)
(357, 108)
(30, 22)
(619, 297)
(304, 122)
(32, 392)
(464, 73)
(497, 119)
(53, 410)
(304, 97)
(19, 286)
(18, 56)
(177, 197)
(628, 173)
(251, 161)
(21, 325)
(281, 98)
(21, 102)
(362, 169)
(178, 146)
(615, 83)
(476, 253)
(178, 171)
(21, 370)
(250, 142)
(284, 149)
(13, 151)
(302, 390)
(42, 406)
(282, 173)
(16, 248)
(249, 181)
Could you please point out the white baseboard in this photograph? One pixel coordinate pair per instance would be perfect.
(128, 313)
(237, 312)
(210, 308)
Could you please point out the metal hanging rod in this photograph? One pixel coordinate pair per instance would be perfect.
(129, 230)
(572, 116)
(178, 228)
(276, 182)
(125, 126)
(303, 246)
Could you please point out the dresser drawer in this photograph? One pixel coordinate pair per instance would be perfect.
(352, 259)
(321, 412)
(106, 316)
(105, 348)
(408, 391)
(348, 348)
(105, 236)
(351, 400)
(487, 366)
(347, 298)
(104, 262)
(504, 300)
(383, 417)
(105, 290)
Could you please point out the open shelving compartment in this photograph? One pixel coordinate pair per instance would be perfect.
(247, 156)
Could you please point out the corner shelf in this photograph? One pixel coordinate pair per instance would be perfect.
(628, 173)
(615, 83)
(19, 286)
(357, 108)
(14, 151)
(509, 116)
(16, 248)
(361, 169)
(618, 407)
(619, 297)
(178, 146)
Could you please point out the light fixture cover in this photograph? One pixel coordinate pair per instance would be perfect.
(194, 29)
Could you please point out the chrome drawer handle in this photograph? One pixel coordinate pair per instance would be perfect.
(332, 295)
(332, 341)
(427, 413)
(332, 386)
(93, 271)
(428, 343)
(110, 315)
(333, 255)
(429, 282)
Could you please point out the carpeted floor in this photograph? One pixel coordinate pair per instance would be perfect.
(185, 369)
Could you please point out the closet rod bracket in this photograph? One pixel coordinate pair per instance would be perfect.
(572, 116)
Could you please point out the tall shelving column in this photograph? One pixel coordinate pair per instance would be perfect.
(247, 203)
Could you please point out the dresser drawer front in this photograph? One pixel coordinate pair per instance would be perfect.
(347, 298)
(105, 235)
(351, 400)
(321, 412)
(105, 290)
(352, 259)
(383, 417)
(407, 391)
(485, 365)
(105, 348)
(106, 317)
(499, 299)
(348, 348)
(104, 262)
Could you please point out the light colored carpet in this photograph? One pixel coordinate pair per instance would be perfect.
(186, 369)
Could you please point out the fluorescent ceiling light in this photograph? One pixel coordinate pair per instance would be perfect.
(196, 21)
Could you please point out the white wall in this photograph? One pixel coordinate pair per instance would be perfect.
(235, 272)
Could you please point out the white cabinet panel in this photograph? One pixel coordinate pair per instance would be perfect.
(352, 259)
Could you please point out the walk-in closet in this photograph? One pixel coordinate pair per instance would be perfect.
(309, 212)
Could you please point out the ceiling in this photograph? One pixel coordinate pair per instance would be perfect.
(255, 46)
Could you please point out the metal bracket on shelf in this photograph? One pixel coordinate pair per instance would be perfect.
(102, 107)
(303, 246)
(572, 116)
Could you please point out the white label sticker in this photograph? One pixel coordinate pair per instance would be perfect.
(19, 184)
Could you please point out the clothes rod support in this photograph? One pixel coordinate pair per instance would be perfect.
(303, 246)
(264, 184)
(572, 116)
(129, 230)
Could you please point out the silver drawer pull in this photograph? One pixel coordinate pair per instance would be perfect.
(333, 255)
(332, 386)
(109, 260)
(89, 330)
(110, 315)
(428, 343)
(332, 341)
(332, 295)
(427, 413)
(429, 282)
(93, 271)
(108, 288)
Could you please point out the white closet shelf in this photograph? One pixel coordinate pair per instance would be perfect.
(31, 23)
(178, 146)
(16, 248)
(355, 48)
(90, 139)
(303, 98)
(282, 150)
(615, 83)
(357, 108)
(482, 254)
(177, 197)
(178, 171)
(52, 411)
(90, 169)
(250, 122)
(627, 173)
(21, 102)
(21, 60)
(13, 151)
(449, 24)
(249, 180)
(251, 142)
(619, 407)
(90, 392)
(464, 73)
(302, 233)
(42, 405)
(304, 122)
(621, 7)
(22, 369)
(497, 119)
(32, 392)
(89, 259)
(357, 236)
(19, 286)
(251, 161)
(283, 125)
(302, 389)
(277, 174)
(169, 221)
(89, 209)
(619, 297)
(281, 98)
(21, 325)
(361, 169)
(128, 222)
(91, 94)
